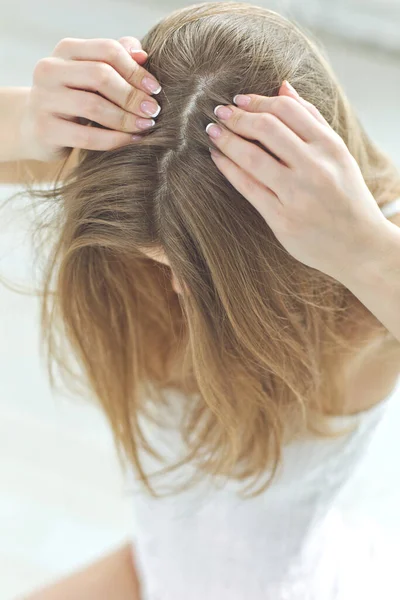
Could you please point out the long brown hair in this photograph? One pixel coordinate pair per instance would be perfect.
(258, 344)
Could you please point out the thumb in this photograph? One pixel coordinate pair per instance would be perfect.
(134, 47)
(287, 90)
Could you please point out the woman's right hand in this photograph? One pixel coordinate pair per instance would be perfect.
(87, 79)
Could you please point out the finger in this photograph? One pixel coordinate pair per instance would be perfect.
(139, 55)
(268, 129)
(261, 197)
(101, 77)
(131, 44)
(134, 47)
(252, 159)
(287, 90)
(293, 114)
(111, 52)
(83, 136)
(95, 108)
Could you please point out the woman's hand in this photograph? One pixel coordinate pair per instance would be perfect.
(313, 194)
(100, 80)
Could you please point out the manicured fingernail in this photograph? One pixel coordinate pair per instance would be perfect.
(151, 85)
(291, 88)
(150, 108)
(145, 123)
(213, 130)
(136, 137)
(223, 112)
(241, 100)
(136, 51)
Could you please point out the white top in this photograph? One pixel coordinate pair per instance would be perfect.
(391, 208)
(289, 543)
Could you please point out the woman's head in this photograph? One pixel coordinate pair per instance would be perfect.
(258, 338)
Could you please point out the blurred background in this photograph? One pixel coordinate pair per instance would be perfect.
(63, 500)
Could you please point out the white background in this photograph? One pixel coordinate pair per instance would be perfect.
(63, 501)
(374, 22)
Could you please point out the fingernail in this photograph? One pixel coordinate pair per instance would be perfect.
(291, 88)
(150, 108)
(136, 51)
(145, 123)
(241, 100)
(223, 112)
(136, 137)
(213, 130)
(151, 85)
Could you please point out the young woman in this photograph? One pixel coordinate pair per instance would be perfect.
(235, 313)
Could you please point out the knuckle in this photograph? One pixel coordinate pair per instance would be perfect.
(280, 105)
(113, 50)
(63, 45)
(264, 122)
(101, 74)
(129, 42)
(338, 145)
(334, 145)
(42, 68)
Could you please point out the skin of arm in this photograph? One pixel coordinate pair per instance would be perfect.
(15, 166)
(314, 198)
(112, 576)
(376, 282)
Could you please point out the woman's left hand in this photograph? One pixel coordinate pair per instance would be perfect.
(313, 194)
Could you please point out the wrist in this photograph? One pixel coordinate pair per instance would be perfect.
(377, 261)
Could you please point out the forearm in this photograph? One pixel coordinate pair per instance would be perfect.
(14, 165)
(376, 281)
(113, 576)
(12, 102)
